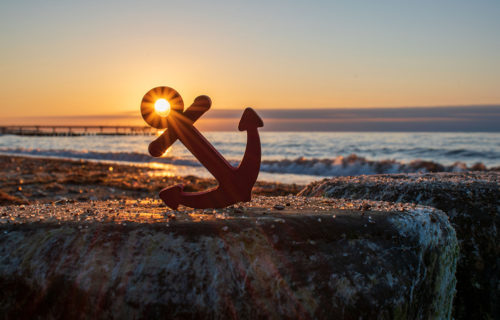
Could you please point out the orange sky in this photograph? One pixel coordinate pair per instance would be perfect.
(92, 58)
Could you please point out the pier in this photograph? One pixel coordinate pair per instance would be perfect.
(61, 130)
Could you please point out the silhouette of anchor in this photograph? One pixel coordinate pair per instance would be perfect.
(235, 184)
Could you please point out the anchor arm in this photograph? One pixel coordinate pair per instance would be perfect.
(249, 167)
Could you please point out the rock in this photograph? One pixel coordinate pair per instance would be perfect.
(299, 262)
(472, 202)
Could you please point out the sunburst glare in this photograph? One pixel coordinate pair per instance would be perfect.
(162, 107)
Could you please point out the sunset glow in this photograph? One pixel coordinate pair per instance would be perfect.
(332, 55)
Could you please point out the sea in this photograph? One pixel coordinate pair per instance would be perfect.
(287, 157)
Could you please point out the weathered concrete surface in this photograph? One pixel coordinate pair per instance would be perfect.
(274, 258)
(472, 202)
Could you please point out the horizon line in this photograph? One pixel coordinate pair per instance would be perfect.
(279, 110)
(478, 118)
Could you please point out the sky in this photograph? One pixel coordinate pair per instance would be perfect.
(91, 58)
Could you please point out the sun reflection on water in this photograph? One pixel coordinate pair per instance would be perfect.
(161, 169)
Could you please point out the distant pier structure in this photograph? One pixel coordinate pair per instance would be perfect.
(77, 130)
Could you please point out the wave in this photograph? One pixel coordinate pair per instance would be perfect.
(351, 165)
(354, 165)
(108, 156)
(447, 153)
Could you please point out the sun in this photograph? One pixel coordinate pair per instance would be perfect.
(162, 107)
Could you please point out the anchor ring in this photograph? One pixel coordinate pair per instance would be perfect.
(150, 102)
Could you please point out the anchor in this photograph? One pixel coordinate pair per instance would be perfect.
(234, 184)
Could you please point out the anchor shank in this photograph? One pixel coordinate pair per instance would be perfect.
(203, 150)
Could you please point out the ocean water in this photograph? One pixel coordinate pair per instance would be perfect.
(290, 157)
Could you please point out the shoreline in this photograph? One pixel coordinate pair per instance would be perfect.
(32, 180)
(183, 170)
(299, 158)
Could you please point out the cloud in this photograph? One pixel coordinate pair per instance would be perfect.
(437, 119)
(466, 119)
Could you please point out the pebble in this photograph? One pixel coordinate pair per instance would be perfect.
(365, 206)
(149, 211)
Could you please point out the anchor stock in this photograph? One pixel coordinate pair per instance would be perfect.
(200, 105)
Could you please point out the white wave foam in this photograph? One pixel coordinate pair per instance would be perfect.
(354, 165)
(340, 166)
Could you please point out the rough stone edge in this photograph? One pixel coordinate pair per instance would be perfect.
(432, 236)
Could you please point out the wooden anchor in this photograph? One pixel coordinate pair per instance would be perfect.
(234, 184)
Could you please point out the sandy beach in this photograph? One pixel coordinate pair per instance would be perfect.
(29, 180)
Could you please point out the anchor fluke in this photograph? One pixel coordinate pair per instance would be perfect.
(250, 120)
(172, 196)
